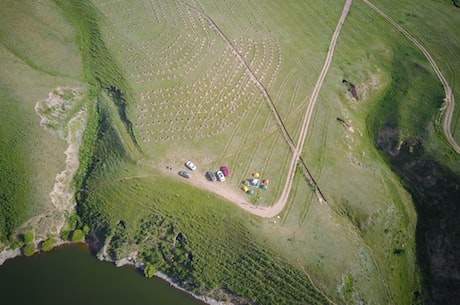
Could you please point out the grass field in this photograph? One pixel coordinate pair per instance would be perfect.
(169, 81)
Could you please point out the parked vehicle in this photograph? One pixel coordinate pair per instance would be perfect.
(211, 176)
(190, 165)
(225, 170)
(185, 174)
(220, 176)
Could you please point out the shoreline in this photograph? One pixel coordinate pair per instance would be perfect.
(9, 254)
(138, 265)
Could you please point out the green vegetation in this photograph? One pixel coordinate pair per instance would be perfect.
(347, 289)
(433, 23)
(78, 236)
(48, 244)
(100, 69)
(409, 106)
(29, 249)
(74, 221)
(65, 234)
(28, 237)
(149, 270)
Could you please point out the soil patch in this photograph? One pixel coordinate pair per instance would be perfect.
(351, 89)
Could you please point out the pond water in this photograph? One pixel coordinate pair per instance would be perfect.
(71, 275)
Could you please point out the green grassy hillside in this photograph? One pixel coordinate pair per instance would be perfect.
(349, 248)
(162, 82)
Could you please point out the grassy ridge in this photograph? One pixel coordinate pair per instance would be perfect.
(101, 71)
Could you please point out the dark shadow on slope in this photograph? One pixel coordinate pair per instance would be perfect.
(436, 192)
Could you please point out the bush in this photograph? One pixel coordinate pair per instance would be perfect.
(29, 249)
(15, 244)
(48, 244)
(85, 230)
(65, 234)
(149, 270)
(74, 221)
(78, 236)
(28, 237)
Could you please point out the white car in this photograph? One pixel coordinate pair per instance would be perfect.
(190, 165)
(220, 176)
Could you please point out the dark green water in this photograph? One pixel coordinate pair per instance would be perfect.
(71, 275)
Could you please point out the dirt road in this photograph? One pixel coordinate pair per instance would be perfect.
(236, 195)
(448, 110)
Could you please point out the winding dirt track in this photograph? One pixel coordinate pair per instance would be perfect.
(448, 110)
(237, 198)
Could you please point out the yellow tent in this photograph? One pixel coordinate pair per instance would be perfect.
(256, 175)
(245, 188)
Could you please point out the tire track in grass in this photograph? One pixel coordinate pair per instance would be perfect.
(287, 209)
(282, 87)
(271, 152)
(239, 124)
(284, 83)
(446, 43)
(233, 133)
(305, 210)
(256, 144)
(268, 120)
(260, 139)
(294, 111)
(259, 142)
(315, 287)
(289, 110)
(325, 132)
(246, 139)
(448, 109)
